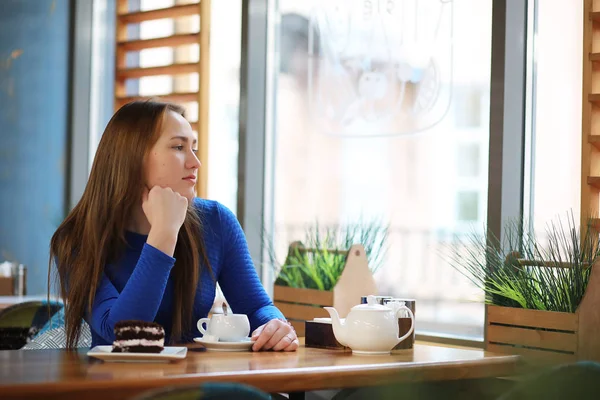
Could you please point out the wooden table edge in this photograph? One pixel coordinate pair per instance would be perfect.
(292, 379)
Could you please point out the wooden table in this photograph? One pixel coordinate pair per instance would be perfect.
(63, 375)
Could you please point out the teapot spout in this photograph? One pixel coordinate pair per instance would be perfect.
(339, 330)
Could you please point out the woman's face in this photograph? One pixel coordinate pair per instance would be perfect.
(172, 161)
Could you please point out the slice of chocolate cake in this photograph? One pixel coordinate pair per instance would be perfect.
(138, 337)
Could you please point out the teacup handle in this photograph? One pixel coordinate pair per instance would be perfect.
(412, 322)
(201, 322)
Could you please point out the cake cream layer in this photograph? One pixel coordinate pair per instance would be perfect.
(138, 342)
(138, 335)
(137, 329)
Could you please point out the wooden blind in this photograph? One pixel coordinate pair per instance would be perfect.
(176, 70)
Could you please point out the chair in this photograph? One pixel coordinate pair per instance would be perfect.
(54, 336)
(206, 391)
(20, 322)
(580, 380)
(28, 314)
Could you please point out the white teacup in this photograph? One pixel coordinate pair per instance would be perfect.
(225, 328)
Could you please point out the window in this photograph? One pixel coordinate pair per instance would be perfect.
(225, 34)
(152, 85)
(555, 101)
(468, 206)
(468, 103)
(468, 156)
(380, 120)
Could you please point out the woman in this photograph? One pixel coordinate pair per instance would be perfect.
(140, 246)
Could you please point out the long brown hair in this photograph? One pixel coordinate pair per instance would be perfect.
(93, 234)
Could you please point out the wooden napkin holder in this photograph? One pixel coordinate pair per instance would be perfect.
(6, 286)
(320, 335)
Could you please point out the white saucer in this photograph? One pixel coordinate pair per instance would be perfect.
(169, 353)
(211, 345)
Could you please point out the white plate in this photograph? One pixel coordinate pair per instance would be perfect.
(242, 345)
(169, 353)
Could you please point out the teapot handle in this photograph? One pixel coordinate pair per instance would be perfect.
(412, 321)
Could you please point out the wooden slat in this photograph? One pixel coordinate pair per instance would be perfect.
(595, 223)
(171, 97)
(122, 6)
(532, 318)
(173, 69)
(170, 12)
(588, 311)
(301, 312)
(532, 338)
(299, 327)
(594, 181)
(120, 61)
(204, 97)
(589, 199)
(589, 318)
(303, 296)
(529, 354)
(594, 140)
(169, 41)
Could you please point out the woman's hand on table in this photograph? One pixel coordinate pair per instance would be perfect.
(276, 335)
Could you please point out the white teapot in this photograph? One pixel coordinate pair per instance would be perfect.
(370, 328)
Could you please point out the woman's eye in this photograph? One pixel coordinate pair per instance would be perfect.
(178, 147)
(195, 151)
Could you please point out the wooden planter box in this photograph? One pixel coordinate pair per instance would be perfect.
(547, 336)
(300, 305)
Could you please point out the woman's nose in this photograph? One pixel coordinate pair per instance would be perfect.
(193, 161)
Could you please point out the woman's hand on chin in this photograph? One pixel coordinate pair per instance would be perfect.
(165, 211)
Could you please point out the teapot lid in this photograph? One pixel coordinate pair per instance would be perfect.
(371, 305)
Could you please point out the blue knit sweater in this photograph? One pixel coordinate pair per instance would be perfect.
(139, 286)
